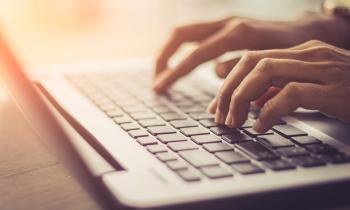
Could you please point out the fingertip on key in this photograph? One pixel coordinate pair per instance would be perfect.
(259, 127)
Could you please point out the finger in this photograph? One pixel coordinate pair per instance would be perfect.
(189, 33)
(307, 51)
(212, 106)
(239, 72)
(277, 73)
(222, 69)
(228, 39)
(209, 49)
(294, 95)
(271, 92)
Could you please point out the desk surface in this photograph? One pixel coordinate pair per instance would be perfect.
(29, 175)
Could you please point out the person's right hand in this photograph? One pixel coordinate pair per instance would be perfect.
(235, 33)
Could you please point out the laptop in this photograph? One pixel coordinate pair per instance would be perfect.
(133, 149)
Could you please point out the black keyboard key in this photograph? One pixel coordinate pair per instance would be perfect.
(293, 151)
(208, 123)
(188, 175)
(230, 157)
(247, 168)
(173, 137)
(151, 122)
(176, 164)
(215, 172)
(275, 141)
(156, 130)
(288, 130)
(166, 156)
(173, 116)
(199, 158)
(183, 123)
(202, 116)
(305, 140)
(194, 131)
(278, 165)
(182, 146)
(335, 158)
(156, 148)
(321, 148)
(204, 139)
(138, 133)
(236, 138)
(223, 130)
(252, 132)
(121, 120)
(143, 115)
(130, 126)
(307, 161)
(217, 147)
(257, 151)
(148, 140)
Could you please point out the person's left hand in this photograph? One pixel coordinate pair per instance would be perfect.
(313, 75)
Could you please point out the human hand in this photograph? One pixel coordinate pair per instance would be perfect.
(236, 33)
(313, 75)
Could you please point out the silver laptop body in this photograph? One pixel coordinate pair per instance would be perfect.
(120, 172)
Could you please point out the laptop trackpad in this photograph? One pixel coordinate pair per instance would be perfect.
(332, 127)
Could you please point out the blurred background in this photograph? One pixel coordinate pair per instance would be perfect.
(62, 31)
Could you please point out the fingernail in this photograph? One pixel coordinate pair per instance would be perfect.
(210, 110)
(229, 120)
(157, 85)
(219, 117)
(258, 127)
(210, 107)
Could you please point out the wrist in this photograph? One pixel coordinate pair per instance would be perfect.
(330, 29)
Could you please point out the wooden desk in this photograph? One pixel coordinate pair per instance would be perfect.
(30, 177)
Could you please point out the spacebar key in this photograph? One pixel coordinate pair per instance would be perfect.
(257, 151)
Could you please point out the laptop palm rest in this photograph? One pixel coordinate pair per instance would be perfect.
(331, 127)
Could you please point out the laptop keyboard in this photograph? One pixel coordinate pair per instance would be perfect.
(178, 131)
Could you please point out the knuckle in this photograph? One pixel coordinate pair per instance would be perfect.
(249, 57)
(265, 66)
(177, 32)
(315, 42)
(292, 91)
(243, 26)
(323, 52)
